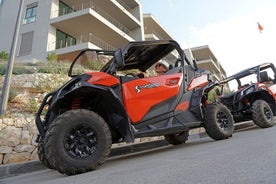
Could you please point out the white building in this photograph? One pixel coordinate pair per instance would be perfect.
(68, 26)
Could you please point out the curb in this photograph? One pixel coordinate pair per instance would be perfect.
(15, 169)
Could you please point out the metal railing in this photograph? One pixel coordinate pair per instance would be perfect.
(93, 6)
(90, 37)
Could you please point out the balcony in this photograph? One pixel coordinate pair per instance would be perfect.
(86, 21)
(65, 48)
(111, 14)
(153, 29)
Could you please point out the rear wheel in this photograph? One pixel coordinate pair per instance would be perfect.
(77, 141)
(262, 114)
(219, 121)
(176, 139)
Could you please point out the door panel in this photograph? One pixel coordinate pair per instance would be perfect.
(141, 95)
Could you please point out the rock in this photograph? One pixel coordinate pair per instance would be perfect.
(25, 138)
(33, 129)
(8, 121)
(2, 125)
(33, 142)
(24, 148)
(15, 158)
(19, 122)
(10, 136)
(34, 155)
(5, 149)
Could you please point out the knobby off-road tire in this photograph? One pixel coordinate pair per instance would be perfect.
(262, 114)
(77, 141)
(42, 156)
(176, 139)
(219, 121)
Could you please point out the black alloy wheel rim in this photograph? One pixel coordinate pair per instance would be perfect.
(267, 113)
(222, 120)
(81, 142)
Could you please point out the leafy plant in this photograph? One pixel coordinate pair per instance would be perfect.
(32, 105)
(52, 82)
(52, 57)
(4, 56)
(12, 94)
(21, 70)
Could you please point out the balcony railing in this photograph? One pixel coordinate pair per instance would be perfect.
(79, 40)
(124, 5)
(82, 6)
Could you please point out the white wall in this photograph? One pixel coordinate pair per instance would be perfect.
(40, 27)
(8, 14)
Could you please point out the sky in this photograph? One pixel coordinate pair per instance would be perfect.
(228, 27)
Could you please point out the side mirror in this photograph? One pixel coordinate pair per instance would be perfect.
(119, 61)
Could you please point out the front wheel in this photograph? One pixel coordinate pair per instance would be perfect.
(41, 155)
(262, 114)
(77, 141)
(219, 122)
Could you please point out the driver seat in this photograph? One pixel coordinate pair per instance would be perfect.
(264, 76)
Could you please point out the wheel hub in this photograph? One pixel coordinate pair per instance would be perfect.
(81, 142)
(267, 113)
(222, 120)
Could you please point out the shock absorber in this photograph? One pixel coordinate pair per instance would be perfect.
(76, 103)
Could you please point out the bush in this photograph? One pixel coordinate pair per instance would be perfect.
(54, 68)
(32, 105)
(52, 56)
(52, 82)
(21, 70)
(4, 56)
(12, 94)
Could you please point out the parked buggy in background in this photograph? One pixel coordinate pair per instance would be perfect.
(251, 95)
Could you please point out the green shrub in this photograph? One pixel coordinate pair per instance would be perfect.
(52, 82)
(32, 105)
(54, 68)
(52, 56)
(4, 56)
(2, 70)
(21, 70)
(12, 94)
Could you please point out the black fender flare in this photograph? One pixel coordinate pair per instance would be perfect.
(118, 117)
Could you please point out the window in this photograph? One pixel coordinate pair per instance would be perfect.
(30, 14)
(64, 9)
(26, 43)
(64, 40)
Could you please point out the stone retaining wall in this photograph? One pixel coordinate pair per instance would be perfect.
(17, 140)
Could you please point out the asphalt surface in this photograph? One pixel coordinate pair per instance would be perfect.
(16, 169)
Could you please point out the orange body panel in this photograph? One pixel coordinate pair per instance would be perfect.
(101, 78)
(152, 90)
(272, 91)
(182, 106)
(198, 82)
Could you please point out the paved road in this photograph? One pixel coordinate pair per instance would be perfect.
(248, 157)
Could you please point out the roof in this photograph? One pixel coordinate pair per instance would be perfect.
(142, 55)
(249, 71)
